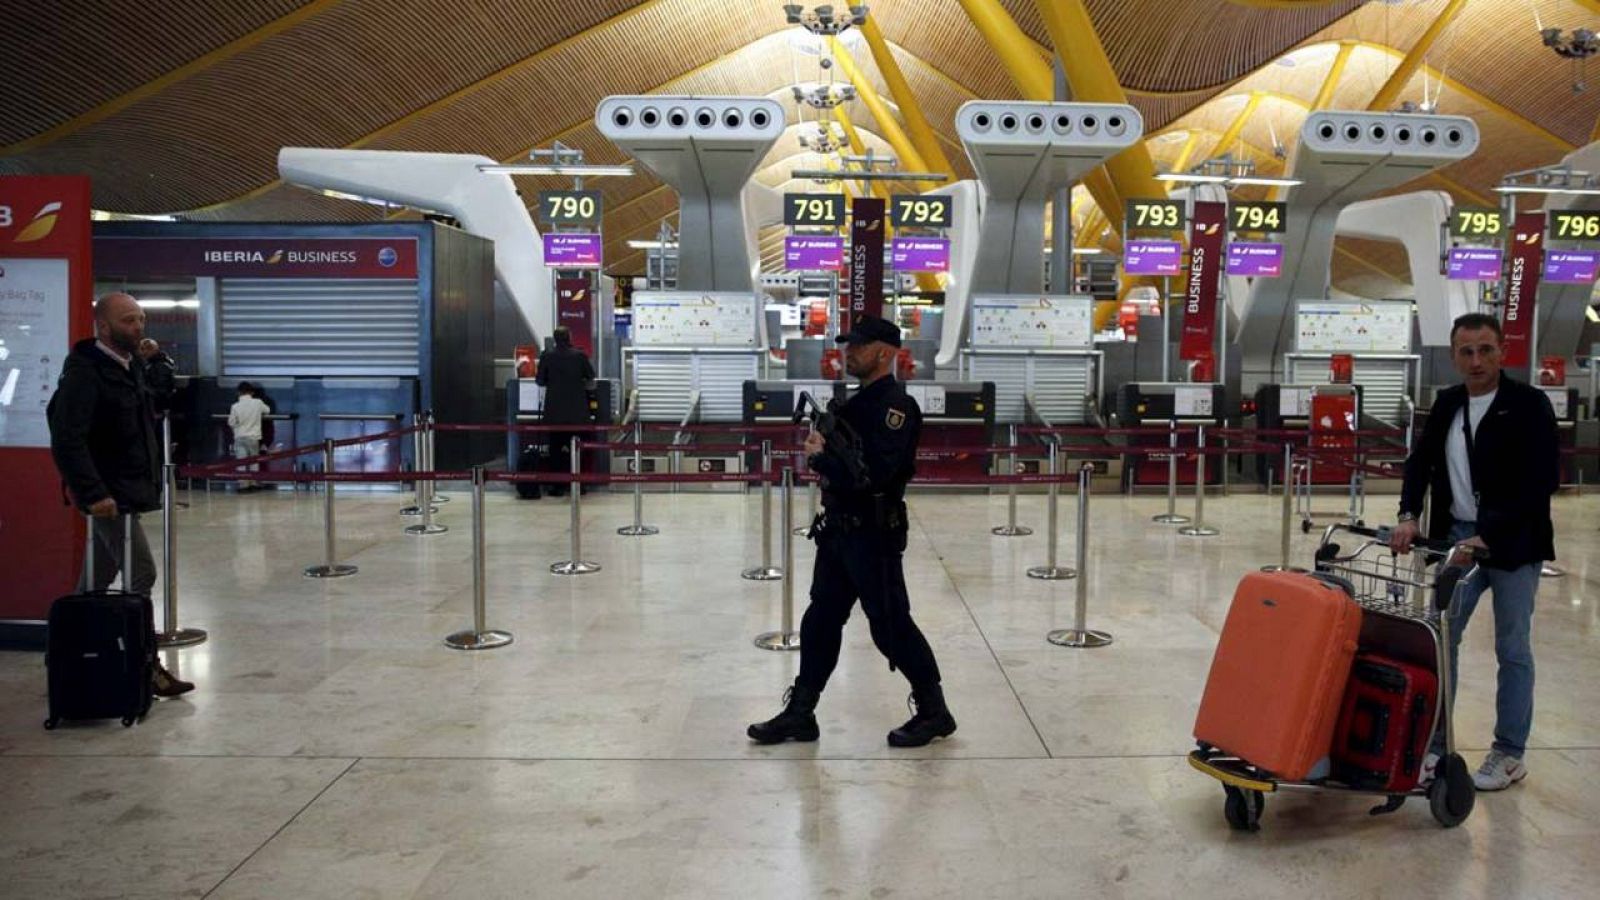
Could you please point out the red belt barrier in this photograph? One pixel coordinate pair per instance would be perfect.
(374, 438)
(1143, 430)
(1305, 433)
(602, 429)
(700, 449)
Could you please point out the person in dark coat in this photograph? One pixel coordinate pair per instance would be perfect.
(107, 446)
(1490, 455)
(860, 535)
(565, 374)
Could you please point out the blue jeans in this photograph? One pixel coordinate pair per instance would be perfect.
(1514, 591)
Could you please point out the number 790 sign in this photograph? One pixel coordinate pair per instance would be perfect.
(569, 207)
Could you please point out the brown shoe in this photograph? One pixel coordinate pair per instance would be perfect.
(166, 684)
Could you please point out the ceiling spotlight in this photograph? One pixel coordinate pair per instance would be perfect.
(825, 20)
(1577, 47)
(823, 96)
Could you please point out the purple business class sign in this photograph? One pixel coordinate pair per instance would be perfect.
(803, 252)
(1255, 260)
(1473, 264)
(1571, 266)
(571, 251)
(920, 254)
(1152, 258)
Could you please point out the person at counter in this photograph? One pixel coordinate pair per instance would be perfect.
(865, 464)
(107, 447)
(246, 419)
(565, 374)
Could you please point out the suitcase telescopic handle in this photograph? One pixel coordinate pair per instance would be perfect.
(127, 551)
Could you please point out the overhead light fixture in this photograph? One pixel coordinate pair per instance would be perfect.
(1196, 178)
(1536, 189)
(653, 245)
(1087, 251)
(1268, 182)
(1188, 178)
(169, 304)
(576, 170)
(1550, 180)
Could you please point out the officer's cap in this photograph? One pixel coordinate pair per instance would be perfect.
(868, 329)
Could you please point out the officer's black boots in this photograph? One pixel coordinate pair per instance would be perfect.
(930, 719)
(797, 722)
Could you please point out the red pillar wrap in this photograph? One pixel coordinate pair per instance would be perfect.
(1207, 228)
(867, 225)
(575, 309)
(1522, 287)
(41, 539)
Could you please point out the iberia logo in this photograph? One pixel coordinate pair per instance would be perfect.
(275, 258)
(1531, 238)
(43, 223)
(1212, 228)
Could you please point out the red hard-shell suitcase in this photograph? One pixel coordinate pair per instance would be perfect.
(1273, 696)
(1385, 724)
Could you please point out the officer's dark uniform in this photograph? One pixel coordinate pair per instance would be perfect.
(564, 372)
(860, 536)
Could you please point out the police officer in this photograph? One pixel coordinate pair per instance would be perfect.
(565, 373)
(864, 463)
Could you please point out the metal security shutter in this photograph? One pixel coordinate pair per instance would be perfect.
(1385, 383)
(1060, 385)
(310, 326)
(666, 378)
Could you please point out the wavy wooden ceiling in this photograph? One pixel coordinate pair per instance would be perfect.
(183, 105)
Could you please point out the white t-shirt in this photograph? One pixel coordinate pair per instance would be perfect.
(245, 417)
(1463, 499)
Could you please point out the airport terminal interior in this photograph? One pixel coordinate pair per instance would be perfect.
(1173, 309)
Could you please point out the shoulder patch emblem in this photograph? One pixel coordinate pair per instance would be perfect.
(894, 419)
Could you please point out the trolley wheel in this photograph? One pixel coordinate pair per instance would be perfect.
(1452, 794)
(1305, 526)
(51, 723)
(1243, 809)
(127, 721)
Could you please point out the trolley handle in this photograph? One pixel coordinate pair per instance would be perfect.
(1438, 548)
(1450, 574)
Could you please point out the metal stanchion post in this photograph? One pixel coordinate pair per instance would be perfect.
(638, 528)
(166, 450)
(425, 494)
(576, 565)
(173, 636)
(1011, 528)
(330, 568)
(1288, 514)
(480, 637)
(811, 516)
(1171, 517)
(1079, 635)
(434, 497)
(787, 638)
(419, 463)
(766, 571)
(1199, 528)
(1050, 571)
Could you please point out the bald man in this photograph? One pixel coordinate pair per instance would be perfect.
(106, 446)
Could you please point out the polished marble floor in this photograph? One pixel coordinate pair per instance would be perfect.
(336, 748)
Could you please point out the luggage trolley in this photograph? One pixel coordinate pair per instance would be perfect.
(1407, 608)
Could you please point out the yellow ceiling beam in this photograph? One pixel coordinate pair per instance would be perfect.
(1385, 99)
(922, 136)
(1459, 188)
(1181, 164)
(1236, 127)
(155, 86)
(910, 159)
(1335, 73)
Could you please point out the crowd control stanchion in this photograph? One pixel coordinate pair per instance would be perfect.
(638, 528)
(575, 565)
(173, 636)
(480, 637)
(1079, 635)
(330, 567)
(766, 571)
(804, 530)
(434, 497)
(1011, 528)
(1050, 571)
(1171, 517)
(1199, 528)
(788, 638)
(419, 463)
(1288, 515)
(166, 450)
(425, 501)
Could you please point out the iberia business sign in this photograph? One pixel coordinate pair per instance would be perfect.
(296, 257)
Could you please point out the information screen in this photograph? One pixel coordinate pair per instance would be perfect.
(1061, 322)
(1353, 327)
(33, 346)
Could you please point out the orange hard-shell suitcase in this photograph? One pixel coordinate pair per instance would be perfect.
(1273, 696)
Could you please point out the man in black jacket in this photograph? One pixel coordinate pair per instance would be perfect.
(565, 374)
(860, 537)
(106, 445)
(1489, 454)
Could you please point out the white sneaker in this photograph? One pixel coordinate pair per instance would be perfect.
(1499, 771)
(1430, 767)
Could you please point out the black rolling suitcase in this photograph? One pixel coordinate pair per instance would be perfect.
(100, 651)
(531, 459)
